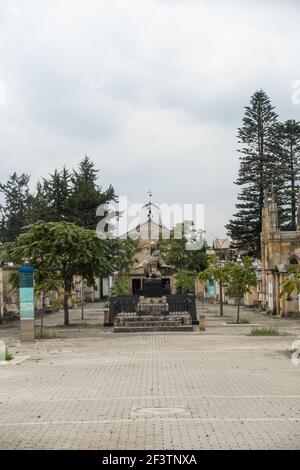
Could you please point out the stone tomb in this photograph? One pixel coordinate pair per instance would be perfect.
(152, 314)
(152, 306)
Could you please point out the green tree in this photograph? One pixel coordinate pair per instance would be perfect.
(292, 282)
(218, 270)
(259, 170)
(38, 205)
(286, 146)
(120, 287)
(121, 253)
(176, 252)
(14, 211)
(59, 251)
(87, 195)
(241, 277)
(184, 281)
(51, 201)
(58, 191)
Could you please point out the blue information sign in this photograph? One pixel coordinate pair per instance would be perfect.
(26, 293)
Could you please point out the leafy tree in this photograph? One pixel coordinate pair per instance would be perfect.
(14, 211)
(121, 253)
(175, 253)
(292, 282)
(259, 170)
(86, 195)
(184, 281)
(241, 277)
(120, 287)
(218, 270)
(59, 251)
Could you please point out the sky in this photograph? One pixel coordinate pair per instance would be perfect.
(152, 90)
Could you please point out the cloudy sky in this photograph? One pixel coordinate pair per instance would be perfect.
(152, 90)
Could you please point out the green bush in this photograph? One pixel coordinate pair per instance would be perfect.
(264, 331)
(244, 320)
(55, 304)
(8, 355)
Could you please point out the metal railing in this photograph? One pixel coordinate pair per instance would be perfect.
(185, 303)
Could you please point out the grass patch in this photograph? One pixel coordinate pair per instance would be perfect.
(43, 335)
(6, 326)
(265, 331)
(244, 320)
(8, 355)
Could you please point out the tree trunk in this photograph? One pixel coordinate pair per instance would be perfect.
(82, 299)
(42, 312)
(66, 307)
(238, 311)
(1, 303)
(221, 298)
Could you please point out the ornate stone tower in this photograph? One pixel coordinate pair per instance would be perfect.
(270, 223)
(279, 248)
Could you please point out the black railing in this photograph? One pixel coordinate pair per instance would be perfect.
(177, 304)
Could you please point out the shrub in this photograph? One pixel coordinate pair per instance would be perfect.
(244, 320)
(264, 331)
(43, 335)
(8, 355)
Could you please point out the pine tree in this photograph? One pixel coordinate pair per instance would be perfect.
(38, 206)
(87, 195)
(287, 147)
(50, 202)
(14, 211)
(257, 174)
(58, 191)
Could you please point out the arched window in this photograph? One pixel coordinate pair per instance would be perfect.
(294, 259)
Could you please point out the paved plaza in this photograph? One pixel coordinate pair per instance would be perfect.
(89, 388)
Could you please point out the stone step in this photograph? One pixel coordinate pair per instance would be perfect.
(142, 329)
(152, 323)
(135, 318)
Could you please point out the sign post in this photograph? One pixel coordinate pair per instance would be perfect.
(26, 303)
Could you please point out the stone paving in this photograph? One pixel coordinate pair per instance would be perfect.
(93, 389)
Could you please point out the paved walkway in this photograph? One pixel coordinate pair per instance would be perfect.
(221, 389)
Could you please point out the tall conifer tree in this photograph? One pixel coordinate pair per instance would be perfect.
(14, 210)
(257, 172)
(87, 195)
(286, 143)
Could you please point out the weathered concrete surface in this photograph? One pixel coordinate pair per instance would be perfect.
(219, 389)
